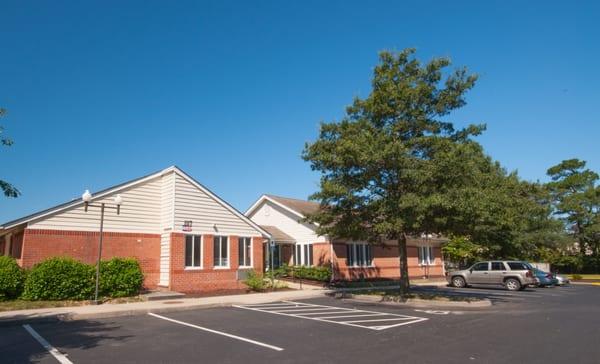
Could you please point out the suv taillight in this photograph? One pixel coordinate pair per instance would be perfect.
(529, 274)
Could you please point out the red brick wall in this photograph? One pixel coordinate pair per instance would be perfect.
(321, 254)
(39, 245)
(209, 278)
(386, 264)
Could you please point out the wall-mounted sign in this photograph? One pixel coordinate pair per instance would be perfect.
(187, 225)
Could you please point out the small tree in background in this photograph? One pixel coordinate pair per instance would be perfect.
(576, 201)
(8, 189)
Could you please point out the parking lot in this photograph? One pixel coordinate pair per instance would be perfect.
(537, 325)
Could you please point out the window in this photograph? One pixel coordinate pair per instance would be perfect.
(425, 255)
(498, 266)
(359, 255)
(193, 251)
(517, 266)
(480, 266)
(245, 252)
(221, 251)
(303, 255)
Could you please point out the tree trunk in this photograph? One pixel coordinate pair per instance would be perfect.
(402, 255)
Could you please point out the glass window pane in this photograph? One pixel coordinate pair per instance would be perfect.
(241, 250)
(369, 254)
(248, 255)
(305, 259)
(188, 250)
(197, 251)
(348, 254)
(310, 254)
(224, 253)
(217, 250)
(360, 256)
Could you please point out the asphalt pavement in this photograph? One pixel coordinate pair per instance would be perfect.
(549, 325)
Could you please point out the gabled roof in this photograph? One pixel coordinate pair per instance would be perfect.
(300, 208)
(133, 182)
(278, 235)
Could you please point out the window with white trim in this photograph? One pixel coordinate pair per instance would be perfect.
(426, 255)
(303, 255)
(359, 255)
(193, 251)
(245, 252)
(221, 251)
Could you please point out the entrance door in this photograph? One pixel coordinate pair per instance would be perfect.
(276, 256)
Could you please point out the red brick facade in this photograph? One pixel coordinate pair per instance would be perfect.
(208, 277)
(386, 264)
(38, 245)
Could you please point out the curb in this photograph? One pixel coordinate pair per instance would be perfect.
(414, 302)
(579, 283)
(74, 316)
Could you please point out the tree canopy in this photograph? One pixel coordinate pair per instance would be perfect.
(394, 165)
(8, 189)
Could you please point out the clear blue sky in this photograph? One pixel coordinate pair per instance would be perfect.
(102, 92)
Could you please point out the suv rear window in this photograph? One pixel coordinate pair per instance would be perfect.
(517, 266)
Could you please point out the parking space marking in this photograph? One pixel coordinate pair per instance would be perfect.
(324, 313)
(273, 347)
(62, 358)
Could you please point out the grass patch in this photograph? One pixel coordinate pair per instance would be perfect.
(15, 305)
(584, 276)
(366, 284)
(393, 295)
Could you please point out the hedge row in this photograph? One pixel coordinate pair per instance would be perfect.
(68, 279)
(318, 273)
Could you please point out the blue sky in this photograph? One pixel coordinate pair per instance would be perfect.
(102, 92)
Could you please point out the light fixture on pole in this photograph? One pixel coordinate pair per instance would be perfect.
(86, 197)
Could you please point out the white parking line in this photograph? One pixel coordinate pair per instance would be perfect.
(51, 349)
(273, 347)
(304, 310)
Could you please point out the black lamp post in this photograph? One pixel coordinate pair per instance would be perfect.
(87, 197)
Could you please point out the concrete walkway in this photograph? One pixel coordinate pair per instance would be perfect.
(140, 308)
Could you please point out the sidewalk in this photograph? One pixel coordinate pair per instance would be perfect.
(141, 308)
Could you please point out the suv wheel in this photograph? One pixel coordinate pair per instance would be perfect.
(458, 282)
(512, 284)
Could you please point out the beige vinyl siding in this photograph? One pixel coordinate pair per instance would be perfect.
(140, 212)
(167, 201)
(285, 221)
(165, 254)
(191, 203)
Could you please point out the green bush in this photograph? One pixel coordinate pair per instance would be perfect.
(60, 279)
(11, 278)
(318, 273)
(120, 277)
(255, 282)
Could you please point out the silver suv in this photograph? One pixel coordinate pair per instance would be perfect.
(514, 275)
